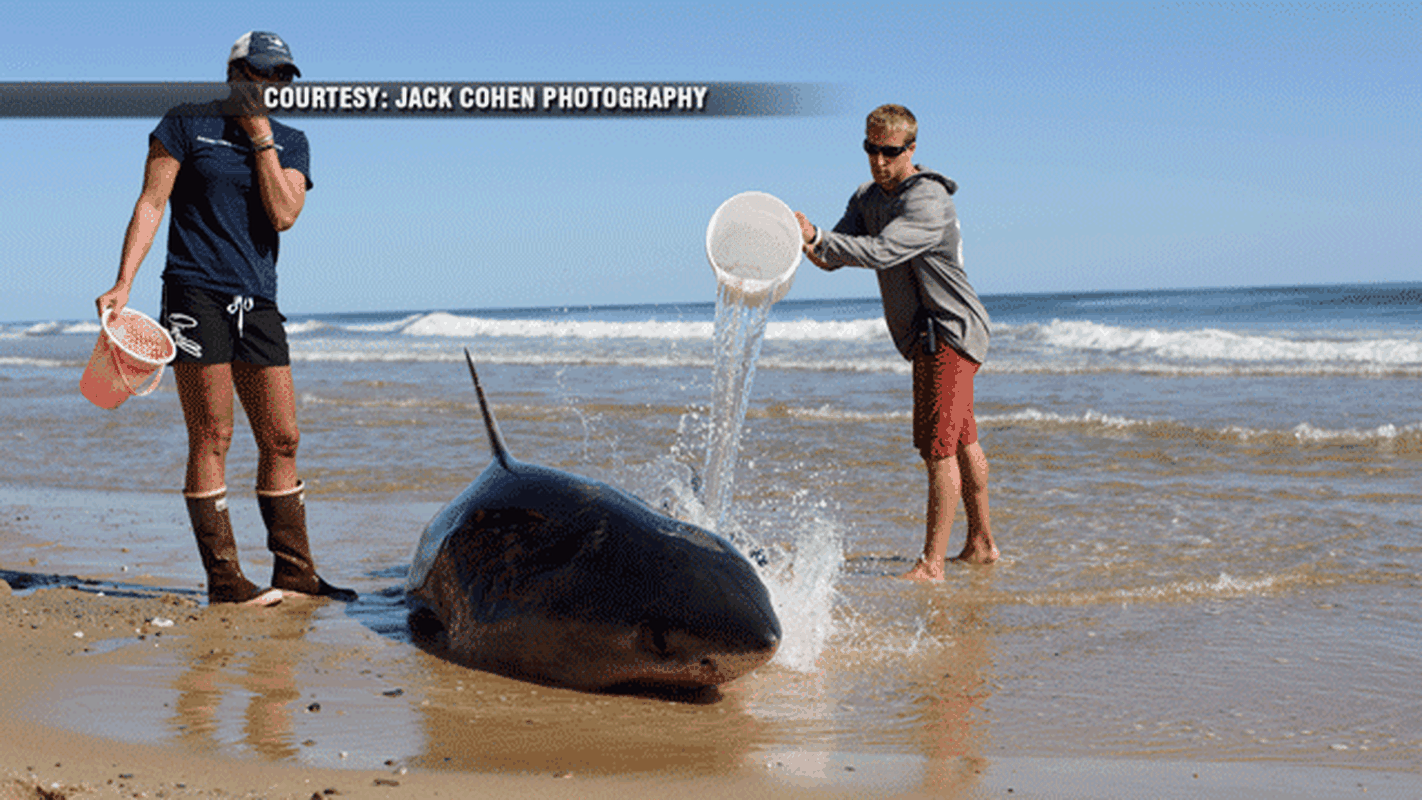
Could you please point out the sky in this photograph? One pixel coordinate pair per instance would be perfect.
(1098, 147)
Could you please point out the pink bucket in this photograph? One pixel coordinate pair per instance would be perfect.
(132, 348)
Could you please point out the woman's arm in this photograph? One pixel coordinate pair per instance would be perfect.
(283, 190)
(160, 172)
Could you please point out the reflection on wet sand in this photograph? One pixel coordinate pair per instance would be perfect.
(249, 684)
(948, 718)
(900, 703)
(257, 662)
(481, 722)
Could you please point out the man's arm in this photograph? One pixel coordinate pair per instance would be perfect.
(851, 223)
(919, 227)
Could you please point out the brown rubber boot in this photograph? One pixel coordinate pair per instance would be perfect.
(218, 548)
(284, 513)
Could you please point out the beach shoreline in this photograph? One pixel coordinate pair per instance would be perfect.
(43, 760)
(147, 647)
(1205, 502)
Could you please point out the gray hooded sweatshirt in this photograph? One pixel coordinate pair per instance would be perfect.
(912, 240)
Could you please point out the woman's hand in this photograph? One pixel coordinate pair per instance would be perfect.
(256, 127)
(115, 299)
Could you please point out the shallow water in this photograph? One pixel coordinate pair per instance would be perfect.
(1210, 520)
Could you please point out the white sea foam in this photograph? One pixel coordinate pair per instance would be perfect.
(20, 361)
(384, 327)
(444, 324)
(828, 413)
(449, 325)
(1214, 345)
(308, 326)
(44, 328)
(1303, 433)
(1223, 586)
(88, 327)
(1088, 417)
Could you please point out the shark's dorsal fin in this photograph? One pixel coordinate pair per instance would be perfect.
(496, 440)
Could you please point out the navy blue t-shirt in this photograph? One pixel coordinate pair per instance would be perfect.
(220, 236)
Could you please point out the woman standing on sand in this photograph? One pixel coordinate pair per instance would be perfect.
(235, 179)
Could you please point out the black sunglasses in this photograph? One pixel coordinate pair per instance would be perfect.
(887, 150)
(281, 72)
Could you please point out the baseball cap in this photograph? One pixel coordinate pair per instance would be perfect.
(263, 50)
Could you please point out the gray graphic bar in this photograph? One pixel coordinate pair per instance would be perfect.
(445, 99)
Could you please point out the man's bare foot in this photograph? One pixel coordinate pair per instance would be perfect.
(978, 553)
(923, 570)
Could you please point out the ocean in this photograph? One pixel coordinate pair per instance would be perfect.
(1209, 505)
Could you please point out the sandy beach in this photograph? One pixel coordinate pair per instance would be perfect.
(42, 653)
(135, 688)
(44, 758)
(1208, 516)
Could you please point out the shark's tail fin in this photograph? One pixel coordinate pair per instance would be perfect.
(496, 440)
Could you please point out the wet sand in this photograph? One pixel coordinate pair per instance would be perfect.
(45, 757)
(162, 696)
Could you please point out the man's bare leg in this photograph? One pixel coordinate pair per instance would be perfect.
(943, 491)
(980, 548)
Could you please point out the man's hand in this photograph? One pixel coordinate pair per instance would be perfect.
(807, 235)
(807, 231)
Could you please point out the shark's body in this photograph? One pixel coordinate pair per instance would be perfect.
(543, 575)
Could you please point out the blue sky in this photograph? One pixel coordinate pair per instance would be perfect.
(1097, 146)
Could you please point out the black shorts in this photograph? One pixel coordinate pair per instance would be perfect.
(211, 327)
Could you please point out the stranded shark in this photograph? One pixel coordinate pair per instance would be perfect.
(542, 575)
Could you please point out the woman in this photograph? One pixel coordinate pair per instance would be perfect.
(235, 179)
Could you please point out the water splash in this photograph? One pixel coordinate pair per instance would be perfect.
(802, 589)
(800, 570)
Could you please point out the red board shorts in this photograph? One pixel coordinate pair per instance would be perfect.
(943, 402)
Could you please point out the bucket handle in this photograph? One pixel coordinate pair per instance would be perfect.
(117, 358)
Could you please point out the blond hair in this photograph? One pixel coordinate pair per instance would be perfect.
(893, 117)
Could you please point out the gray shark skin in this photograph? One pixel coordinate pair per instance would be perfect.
(545, 576)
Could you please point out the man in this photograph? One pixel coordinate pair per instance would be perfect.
(903, 225)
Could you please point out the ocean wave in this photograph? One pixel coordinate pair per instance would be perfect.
(1406, 437)
(827, 413)
(1215, 345)
(874, 360)
(51, 328)
(21, 361)
(336, 349)
(384, 327)
(444, 324)
(306, 327)
(448, 325)
(1223, 586)
(1015, 364)
(509, 359)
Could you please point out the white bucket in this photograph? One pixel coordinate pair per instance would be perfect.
(753, 243)
(132, 347)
